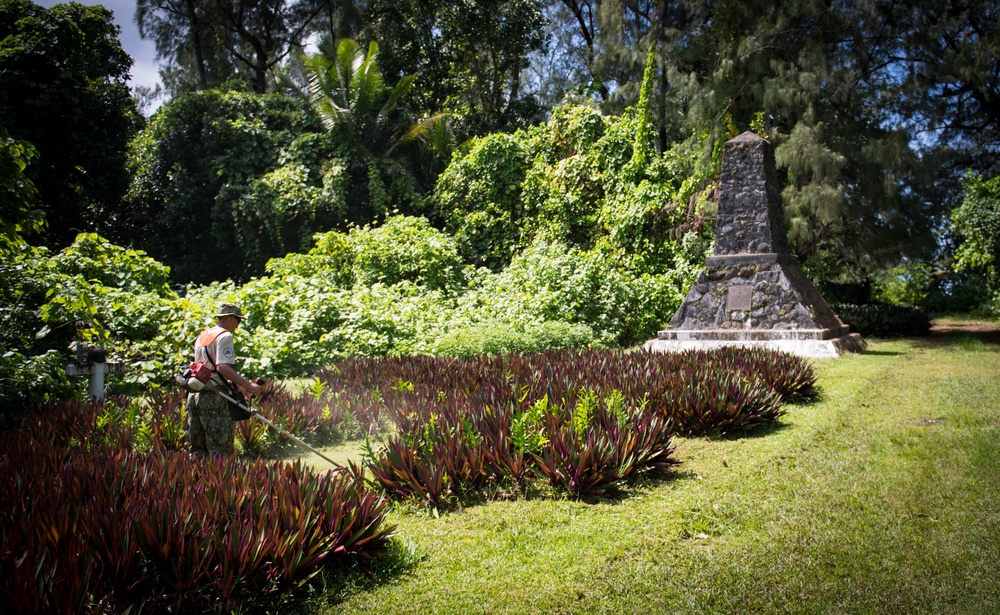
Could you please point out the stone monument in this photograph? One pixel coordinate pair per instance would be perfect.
(752, 291)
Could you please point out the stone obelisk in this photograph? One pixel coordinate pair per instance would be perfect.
(752, 291)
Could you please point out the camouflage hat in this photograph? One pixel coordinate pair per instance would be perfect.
(229, 309)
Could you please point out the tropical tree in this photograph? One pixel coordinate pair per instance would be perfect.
(566, 65)
(938, 62)
(193, 57)
(468, 55)
(392, 158)
(354, 101)
(260, 33)
(215, 39)
(194, 172)
(63, 89)
(17, 192)
(977, 223)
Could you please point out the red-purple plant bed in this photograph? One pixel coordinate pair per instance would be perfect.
(432, 458)
(600, 443)
(790, 376)
(726, 403)
(104, 528)
(579, 464)
(639, 398)
(405, 472)
(407, 383)
(506, 446)
(584, 450)
(641, 442)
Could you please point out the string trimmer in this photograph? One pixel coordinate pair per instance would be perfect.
(257, 415)
(197, 383)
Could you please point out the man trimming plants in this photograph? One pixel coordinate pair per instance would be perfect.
(210, 427)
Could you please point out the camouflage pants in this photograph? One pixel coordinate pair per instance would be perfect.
(210, 430)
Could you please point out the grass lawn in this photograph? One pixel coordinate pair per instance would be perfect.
(882, 497)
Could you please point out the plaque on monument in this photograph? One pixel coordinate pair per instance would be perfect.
(739, 298)
(752, 271)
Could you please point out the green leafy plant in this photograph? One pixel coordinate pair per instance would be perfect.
(17, 192)
(907, 284)
(977, 222)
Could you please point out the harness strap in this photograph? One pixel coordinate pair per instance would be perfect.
(205, 340)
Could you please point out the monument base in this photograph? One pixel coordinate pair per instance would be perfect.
(752, 291)
(809, 343)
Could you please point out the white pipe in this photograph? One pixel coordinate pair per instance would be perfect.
(97, 381)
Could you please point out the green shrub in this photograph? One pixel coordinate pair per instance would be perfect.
(977, 223)
(406, 249)
(908, 284)
(479, 198)
(195, 169)
(91, 293)
(881, 320)
(27, 382)
(504, 337)
(575, 179)
(963, 292)
(553, 282)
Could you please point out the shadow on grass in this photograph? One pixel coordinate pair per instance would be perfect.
(761, 431)
(335, 587)
(961, 340)
(637, 486)
(881, 353)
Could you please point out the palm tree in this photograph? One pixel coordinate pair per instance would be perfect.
(367, 117)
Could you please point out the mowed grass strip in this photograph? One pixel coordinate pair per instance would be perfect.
(882, 497)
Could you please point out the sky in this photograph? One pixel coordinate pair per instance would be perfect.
(144, 68)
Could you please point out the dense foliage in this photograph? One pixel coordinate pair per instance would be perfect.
(581, 178)
(17, 192)
(208, 195)
(94, 519)
(838, 90)
(400, 288)
(884, 320)
(469, 56)
(977, 223)
(63, 89)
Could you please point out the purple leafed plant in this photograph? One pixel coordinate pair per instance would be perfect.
(430, 400)
(90, 524)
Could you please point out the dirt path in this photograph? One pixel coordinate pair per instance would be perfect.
(987, 332)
